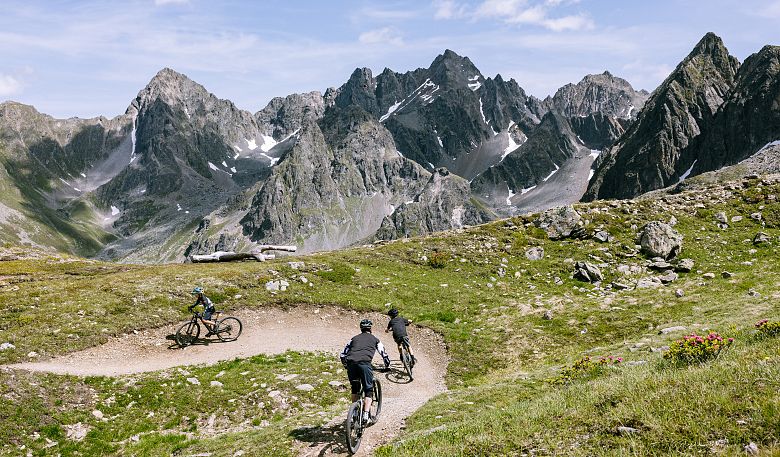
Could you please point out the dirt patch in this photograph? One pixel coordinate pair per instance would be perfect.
(275, 331)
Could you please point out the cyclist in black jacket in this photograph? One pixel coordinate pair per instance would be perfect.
(356, 358)
(398, 325)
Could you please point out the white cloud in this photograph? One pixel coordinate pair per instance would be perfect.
(170, 2)
(519, 12)
(385, 35)
(447, 9)
(9, 85)
(769, 11)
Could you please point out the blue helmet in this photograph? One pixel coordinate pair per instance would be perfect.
(197, 290)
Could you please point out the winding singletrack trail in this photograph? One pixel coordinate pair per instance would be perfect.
(274, 331)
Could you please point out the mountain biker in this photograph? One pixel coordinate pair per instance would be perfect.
(398, 325)
(356, 358)
(208, 309)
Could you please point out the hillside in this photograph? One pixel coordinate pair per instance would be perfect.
(510, 325)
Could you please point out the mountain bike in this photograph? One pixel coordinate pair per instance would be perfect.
(227, 329)
(354, 425)
(406, 359)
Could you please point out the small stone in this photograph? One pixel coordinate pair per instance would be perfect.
(627, 430)
(601, 236)
(726, 274)
(668, 277)
(305, 387)
(620, 286)
(77, 431)
(708, 276)
(721, 217)
(296, 265)
(679, 293)
(238, 453)
(684, 265)
(736, 218)
(216, 384)
(548, 315)
(7, 346)
(274, 393)
(756, 216)
(535, 253)
(335, 383)
(193, 381)
(751, 449)
(761, 238)
(678, 328)
(304, 280)
(98, 414)
(32, 354)
(648, 283)
(558, 281)
(753, 293)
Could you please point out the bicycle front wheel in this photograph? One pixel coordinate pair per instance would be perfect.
(354, 428)
(229, 329)
(376, 401)
(187, 334)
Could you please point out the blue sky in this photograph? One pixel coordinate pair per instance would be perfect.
(89, 58)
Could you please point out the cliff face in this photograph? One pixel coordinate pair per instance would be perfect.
(649, 155)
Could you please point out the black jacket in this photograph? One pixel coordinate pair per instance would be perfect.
(361, 349)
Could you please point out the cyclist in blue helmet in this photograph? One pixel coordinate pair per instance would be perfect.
(208, 309)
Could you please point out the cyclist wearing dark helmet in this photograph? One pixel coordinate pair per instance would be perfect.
(208, 309)
(356, 358)
(398, 325)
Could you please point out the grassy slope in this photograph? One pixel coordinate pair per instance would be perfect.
(502, 349)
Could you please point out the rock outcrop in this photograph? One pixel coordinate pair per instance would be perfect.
(649, 155)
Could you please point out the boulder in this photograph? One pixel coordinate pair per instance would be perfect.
(601, 236)
(684, 266)
(559, 223)
(587, 272)
(658, 239)
(535, 253)
(668, 276)
(761, 238)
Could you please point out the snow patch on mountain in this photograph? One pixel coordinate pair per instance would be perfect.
(552, 173)
(688, 171)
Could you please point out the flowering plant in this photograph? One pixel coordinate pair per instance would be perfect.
(585, 367)
(767, 328)
(697, 348)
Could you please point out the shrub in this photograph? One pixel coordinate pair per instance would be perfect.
(438, 259)
(767, 328)
(340, 273)
(586, 368)
(695, 348)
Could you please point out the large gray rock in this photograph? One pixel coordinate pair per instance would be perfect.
(587, 272)
(659, 239)
(559, 223)
(535, 253)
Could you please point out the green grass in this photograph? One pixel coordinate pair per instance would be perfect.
(488, 302)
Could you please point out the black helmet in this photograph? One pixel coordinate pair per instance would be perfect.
(393, 312)
(366, 324)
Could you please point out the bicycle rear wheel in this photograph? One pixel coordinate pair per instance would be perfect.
(406, 359)
(376, 401)
(354, 427)
(229, 329)
(187, 334)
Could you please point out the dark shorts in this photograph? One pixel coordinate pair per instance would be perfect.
(403, 339)
(207, 313)
(361, 375)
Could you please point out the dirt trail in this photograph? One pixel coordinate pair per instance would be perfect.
(275, 331)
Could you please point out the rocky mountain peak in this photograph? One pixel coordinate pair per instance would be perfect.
(170, 87)
(598, 93)
(359, 90)
(450, 69)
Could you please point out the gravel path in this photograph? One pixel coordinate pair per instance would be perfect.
(275, 331)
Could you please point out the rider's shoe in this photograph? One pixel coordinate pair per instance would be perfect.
(414, 361)
(367, 420)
